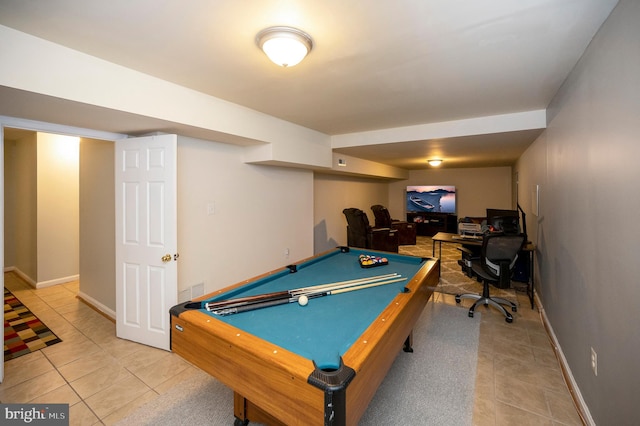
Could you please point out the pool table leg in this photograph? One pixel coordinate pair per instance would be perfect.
(238, 422)
(245, 411)
(408, 344)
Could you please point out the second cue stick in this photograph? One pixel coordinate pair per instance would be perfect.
(250, 307)
(279, 295)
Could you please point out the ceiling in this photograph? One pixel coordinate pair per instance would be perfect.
(374, 65)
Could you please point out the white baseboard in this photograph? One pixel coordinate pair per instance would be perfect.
(21, 274)
(97, 305)
(88, 299)
(43, 284)
(581, 405)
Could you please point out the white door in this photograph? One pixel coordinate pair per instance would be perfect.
(146, 238)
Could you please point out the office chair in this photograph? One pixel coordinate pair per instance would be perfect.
(495, 265)
(361, 234)
(406, 231)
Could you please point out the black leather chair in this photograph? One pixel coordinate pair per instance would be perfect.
(495, 265)
(361, 234)
(406, 231)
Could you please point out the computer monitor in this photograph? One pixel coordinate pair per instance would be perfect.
(507, 221)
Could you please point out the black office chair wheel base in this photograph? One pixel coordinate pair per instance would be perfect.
(514, 309)
(509, 319)
(457, 298)
(470, 314)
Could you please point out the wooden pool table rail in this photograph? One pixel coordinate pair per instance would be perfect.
(270, 383)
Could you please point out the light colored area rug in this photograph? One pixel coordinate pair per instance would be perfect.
(433, 385)
(452, 279)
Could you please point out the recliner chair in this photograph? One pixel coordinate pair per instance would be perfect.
(496, 263)
(361, 234)
(406, 231)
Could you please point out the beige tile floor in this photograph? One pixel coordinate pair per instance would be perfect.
(103, 378)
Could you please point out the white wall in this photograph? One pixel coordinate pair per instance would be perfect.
(20, 208)
(259, 212)
(58, 250)
(334, 193)
(9, 191)
(587, 232)
(41, 208)
(532, 184)
(97, 223)
(477, 189)
(80, 78)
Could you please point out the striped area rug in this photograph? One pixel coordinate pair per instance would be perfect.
(452, 279)
(23, 331)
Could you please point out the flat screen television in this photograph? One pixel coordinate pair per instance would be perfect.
(431, 198)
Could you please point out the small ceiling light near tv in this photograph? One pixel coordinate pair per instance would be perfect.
(434, 162)
(285, 46)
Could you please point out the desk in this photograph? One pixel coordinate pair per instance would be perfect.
(446, 237)
(292, 364)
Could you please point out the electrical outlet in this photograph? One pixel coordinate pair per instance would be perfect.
(594, 361)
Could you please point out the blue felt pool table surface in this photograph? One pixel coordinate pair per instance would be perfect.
(324, 329)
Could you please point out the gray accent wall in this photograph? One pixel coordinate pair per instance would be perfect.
(586, 166)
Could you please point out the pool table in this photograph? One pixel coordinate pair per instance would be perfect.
(315, 364)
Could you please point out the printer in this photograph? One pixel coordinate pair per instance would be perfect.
(468, 229)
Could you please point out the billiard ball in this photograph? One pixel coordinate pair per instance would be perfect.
(303, 300)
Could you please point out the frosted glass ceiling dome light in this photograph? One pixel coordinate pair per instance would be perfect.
(434, 163)
(285, 46)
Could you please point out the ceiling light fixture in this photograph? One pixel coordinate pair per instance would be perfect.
(285, 46)
(434, 163)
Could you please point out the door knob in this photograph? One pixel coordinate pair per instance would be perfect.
(166, 258)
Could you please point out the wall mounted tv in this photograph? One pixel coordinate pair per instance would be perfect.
(431, 198)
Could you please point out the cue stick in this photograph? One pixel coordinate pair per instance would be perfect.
(259, 305)
(291, 294)
(348, 289)
(343, 284)
(278, 295)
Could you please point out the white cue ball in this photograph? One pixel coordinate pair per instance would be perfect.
(303, 300)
